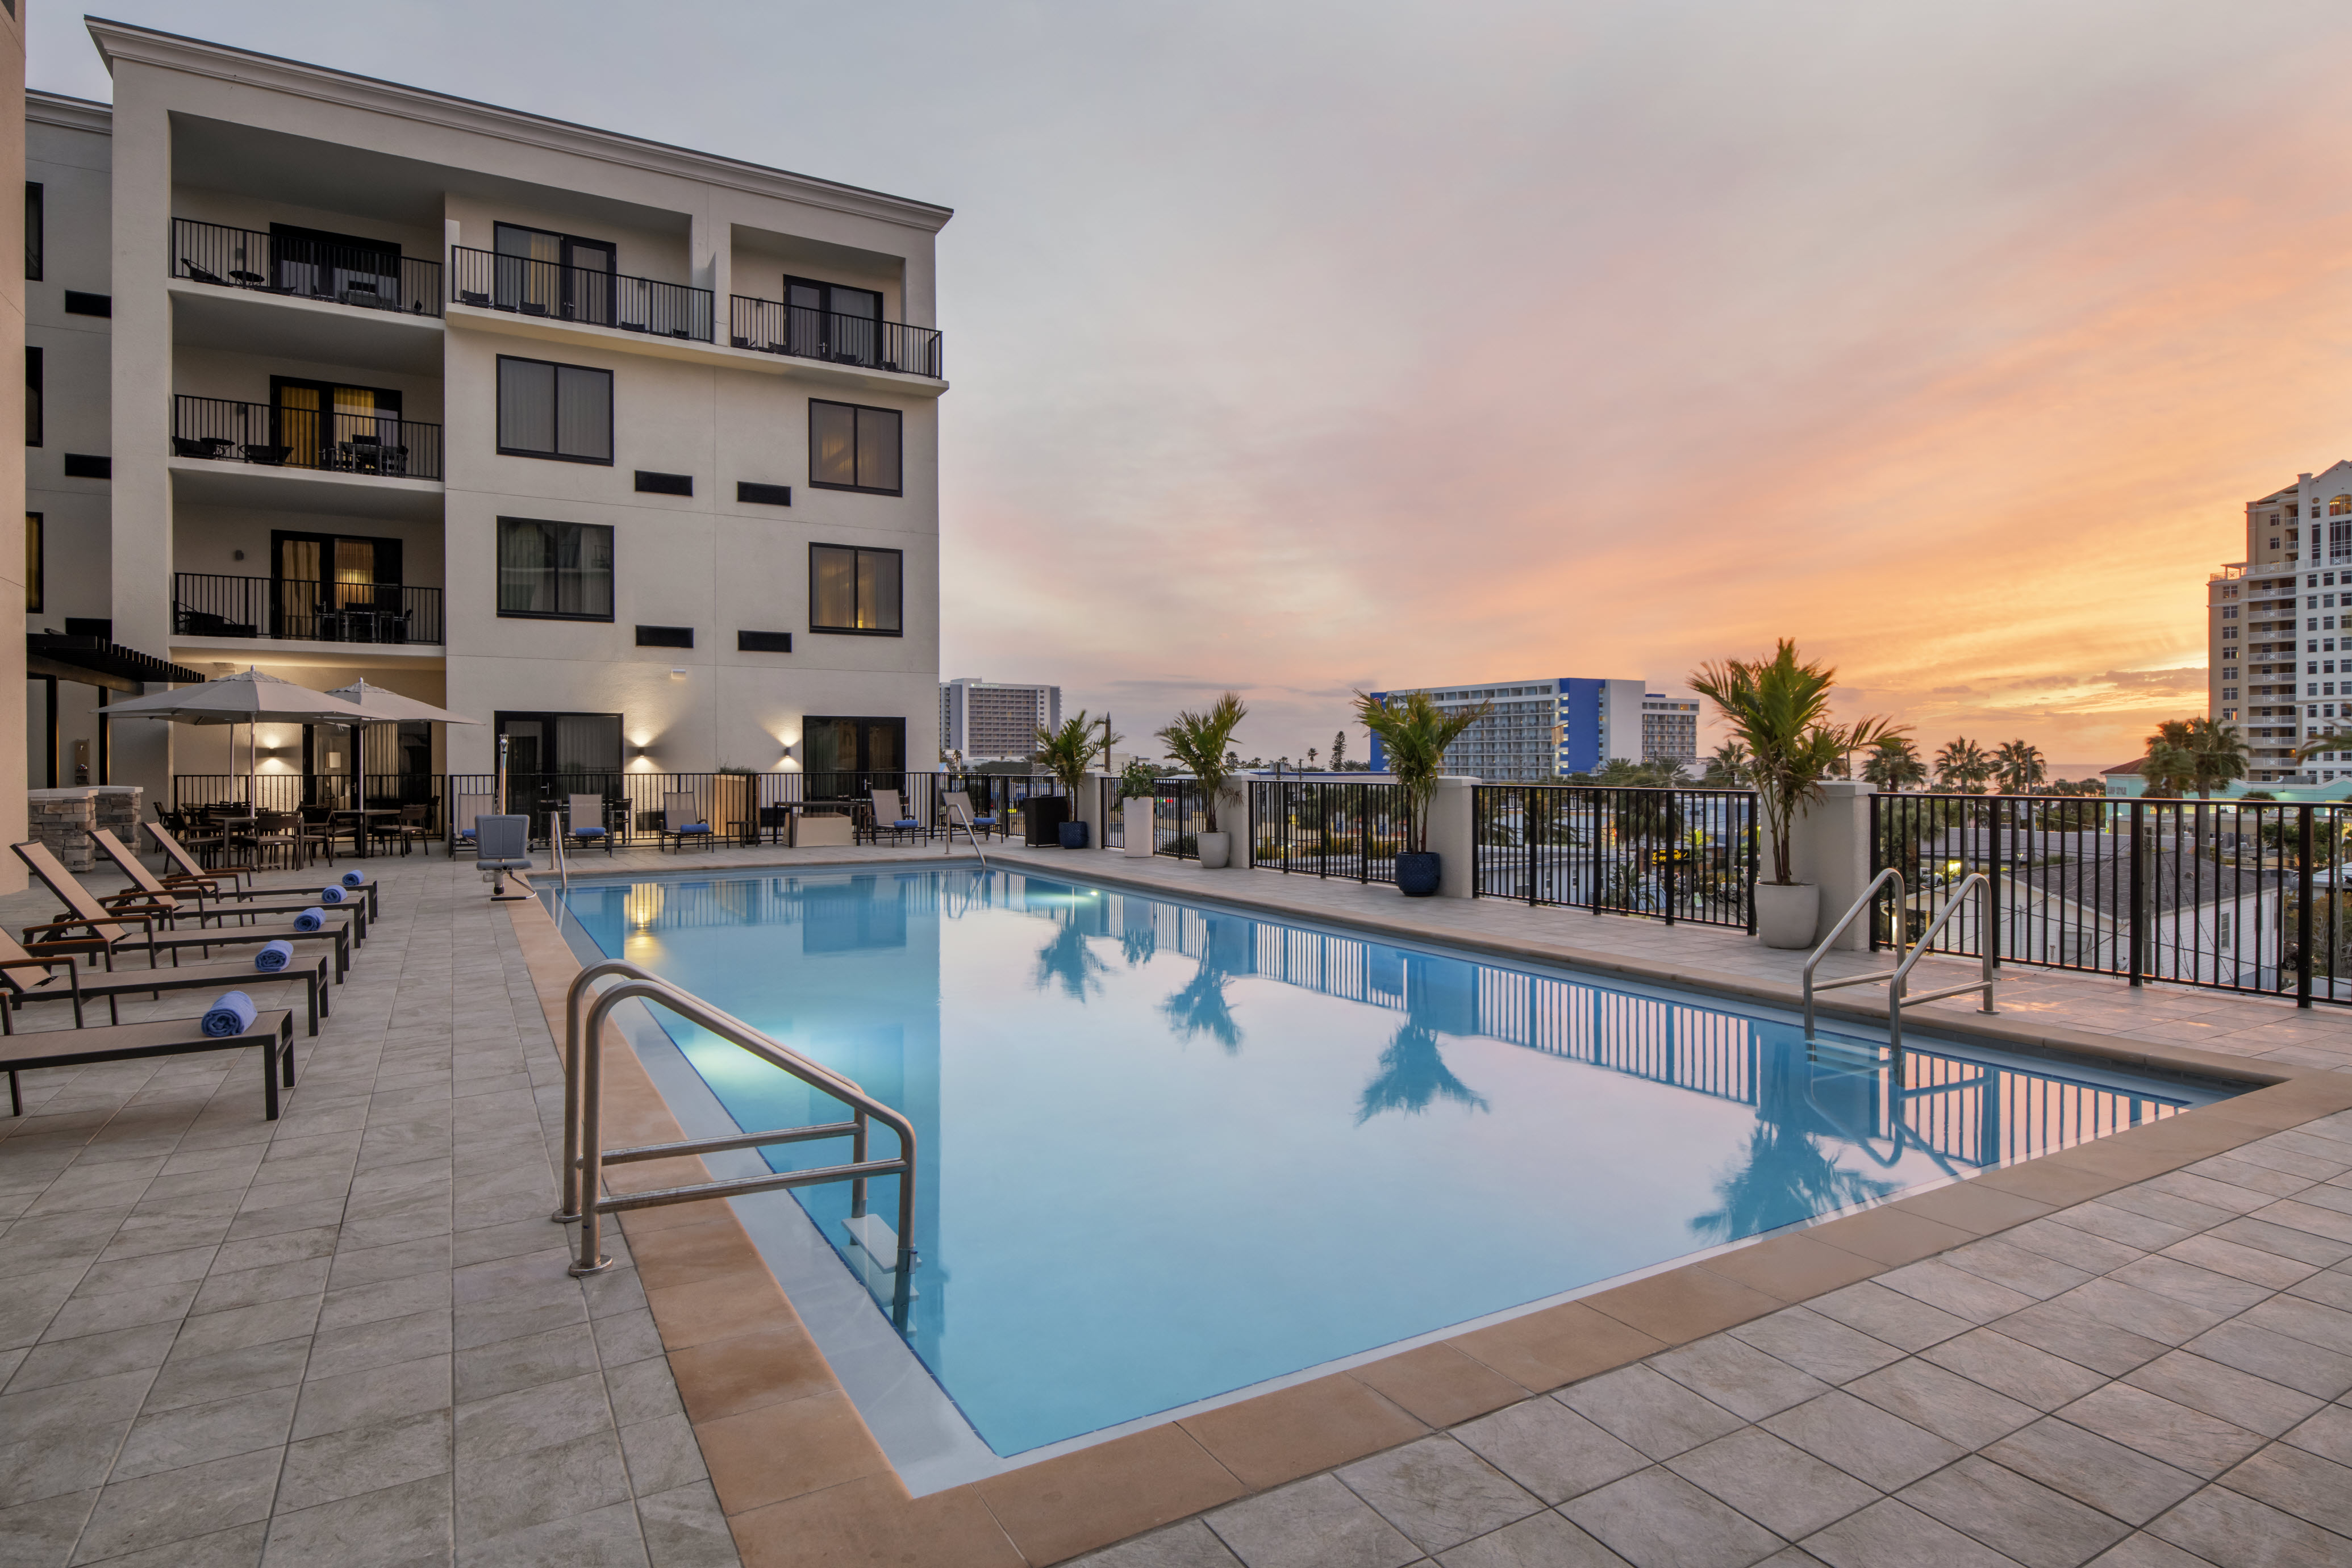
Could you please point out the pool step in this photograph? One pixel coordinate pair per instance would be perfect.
(877, 1253)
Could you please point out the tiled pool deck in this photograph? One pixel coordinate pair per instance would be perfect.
(347, 1337)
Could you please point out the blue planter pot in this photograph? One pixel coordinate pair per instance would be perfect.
(1417, 874)
(1074, 835)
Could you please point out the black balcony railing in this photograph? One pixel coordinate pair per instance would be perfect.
(1673, 853)
(207, 605)
(379, 444)
(373, 277)
(495, 282)
(772, 327)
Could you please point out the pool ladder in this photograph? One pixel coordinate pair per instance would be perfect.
(1898, 982)
(585, 1156)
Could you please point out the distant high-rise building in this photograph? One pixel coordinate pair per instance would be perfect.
(2272, 628)
(993, 719)
(1669, 727)
(1542, 728)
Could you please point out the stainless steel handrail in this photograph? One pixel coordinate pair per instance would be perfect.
(1989, 938)
(968, 832)
(584, 1155)
(1837, 930)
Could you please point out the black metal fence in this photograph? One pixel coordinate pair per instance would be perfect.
(774, 327)
(1675, 854)
(226, 430)
(375, 278)
(1325, 829)
(531, 288)
(206, 605)
(2233, 894)
(740, 807)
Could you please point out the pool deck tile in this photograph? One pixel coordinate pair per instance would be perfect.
(1298, 1430)
(873, 1523)
(1793, 1267)
(1683, 1303)
(1439, 1385)
(1076, 1502)
(1557, 1345)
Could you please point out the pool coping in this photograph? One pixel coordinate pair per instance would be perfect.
(803, 1482)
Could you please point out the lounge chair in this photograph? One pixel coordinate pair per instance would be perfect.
(461, 819)
(274, 1032)
(682, 824)
(892, 817)
(287, 902)
(583, 819)
(955, 804)
(27, 976)
(109, 930)
(222, 881)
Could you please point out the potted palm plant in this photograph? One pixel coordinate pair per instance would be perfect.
(1778, 709)
(1138, 787)
(1414, 733)
(1200, 744)
(1069, 753)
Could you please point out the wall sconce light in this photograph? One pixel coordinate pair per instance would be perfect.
(677, 674)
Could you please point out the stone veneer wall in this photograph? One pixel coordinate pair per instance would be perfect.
(62, 820)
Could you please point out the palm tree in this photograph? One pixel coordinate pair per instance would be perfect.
(1416, 733)
(2019, 766)
(1893, 764)
(2171, 766)
(1201, 743)
(1728, 769)
(2220, 753)
(1963, 766)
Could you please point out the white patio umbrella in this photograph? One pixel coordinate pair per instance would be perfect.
(378, 706)
(248, 699)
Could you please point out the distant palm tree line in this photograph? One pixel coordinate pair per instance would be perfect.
(1962, 766)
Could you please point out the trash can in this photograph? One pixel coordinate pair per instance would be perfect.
(1042, 816)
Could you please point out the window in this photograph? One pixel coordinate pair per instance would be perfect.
(32, 555)
(559, 411)
(2339, 538)
(34, 237)
(831, 321)
(571, 743)
(852, 448)
(853, 590)
(2337, 506)
(32, 397)
(561, 571)
(543, 274)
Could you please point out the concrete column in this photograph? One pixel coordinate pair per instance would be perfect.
(1829, 844)
(141, 572)
(1452, 836)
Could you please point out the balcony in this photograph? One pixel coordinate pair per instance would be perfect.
(277, 609)
(301, 269)
(487, 280)
(770, 326)
(221, 430)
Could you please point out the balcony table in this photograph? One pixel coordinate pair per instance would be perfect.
(360, 825)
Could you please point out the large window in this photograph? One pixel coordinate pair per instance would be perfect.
(561, 571)
(857, 591)
(34, 565)
(559, 411)
(570, 743)
(32, 397)
(853, 447)
(33, 230)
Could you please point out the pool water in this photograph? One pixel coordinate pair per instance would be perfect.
(1170, 1151)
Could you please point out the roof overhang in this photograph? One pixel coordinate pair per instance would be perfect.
(94, 661)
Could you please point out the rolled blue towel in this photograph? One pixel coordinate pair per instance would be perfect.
(272, 956)
(332, 893)
(230, 1015)
(310, 920)
(354, 878)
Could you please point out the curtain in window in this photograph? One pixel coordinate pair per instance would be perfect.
(526, 563)
(877, 591)
(833, 444)
(584, 563)
(587, 743)
(526, 405)
(833, 571)
(878, 449)
(583, 403)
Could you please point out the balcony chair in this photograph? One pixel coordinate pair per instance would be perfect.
(683, 824)
(200, 445)
(584, 817)
(201, 275)
(268, 456)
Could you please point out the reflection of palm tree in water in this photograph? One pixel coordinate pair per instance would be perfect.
(1138, 943)
(1414, 1076)
(1067, 961)
(1786, 1175)
(1201, 1009)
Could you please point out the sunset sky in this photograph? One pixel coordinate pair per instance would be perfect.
(1304, 347)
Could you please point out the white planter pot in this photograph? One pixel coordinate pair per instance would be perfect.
(1216, 851)
(1136, 818)
(1788, 913)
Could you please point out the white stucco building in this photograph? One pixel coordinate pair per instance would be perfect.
(2273, 629)
(627, 450)
(994, 719)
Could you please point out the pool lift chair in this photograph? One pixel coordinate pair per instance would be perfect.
(502, 845)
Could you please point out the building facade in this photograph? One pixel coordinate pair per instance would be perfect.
(994, 720)
(1669, 727)
(628, 451)
(2271, 629)
(1538, 729)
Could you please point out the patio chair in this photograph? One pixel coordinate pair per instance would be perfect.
(181, 870)
(462, 816)
(170, 900)
(280, 835)
(109, 930)
(274, 1032)
(26, 976)
(584, 819)
(892, 817)
(682, 824)
(413, 826)
(503, 846)
(957, 805)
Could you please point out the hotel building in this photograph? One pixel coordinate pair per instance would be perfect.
(2272, 628)
(1551, 728)
(994, 720)
(628, 451)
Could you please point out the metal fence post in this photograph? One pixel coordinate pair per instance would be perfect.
(2000, 808)
(2139, 891)
(2302, 907)
(1528, 833)
(1876, 845)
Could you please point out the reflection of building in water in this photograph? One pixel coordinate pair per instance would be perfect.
(1960, 1112)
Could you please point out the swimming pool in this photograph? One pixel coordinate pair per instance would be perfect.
(1171, 1151)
